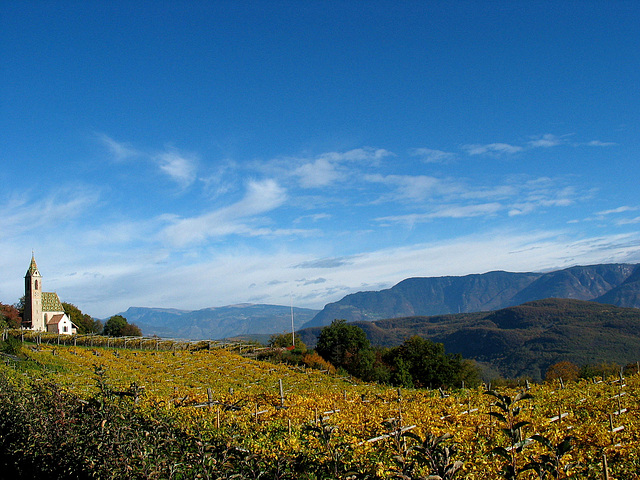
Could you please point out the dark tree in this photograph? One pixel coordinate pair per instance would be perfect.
(84, 322)
(115, 326)
(346, 346)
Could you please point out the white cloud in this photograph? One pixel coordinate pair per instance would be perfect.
(181, 168)
(628, 221)
(20, 214)
(429, 155)
(622, 209)
(598, 143)
(260, 197)
(120, 150)
(492, 149)
(445, 211)
(413, 187)
(545, 141)
(318, 173)
(366, 154)
(326, 169)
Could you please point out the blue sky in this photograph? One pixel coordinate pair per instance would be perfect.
(197, 154)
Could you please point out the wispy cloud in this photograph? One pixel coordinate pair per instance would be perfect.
(414, 187)
(318, 173)
(547, 140)
(119, 150)
(598, 143)
(181, 168)
(260, 197)
(429, 155)
(492, 149)
(445, 211)
(628, 221)
(21, 214)
(326, 169)
(622, 209)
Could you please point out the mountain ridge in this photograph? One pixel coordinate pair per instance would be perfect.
(217, 322)
(618, 284)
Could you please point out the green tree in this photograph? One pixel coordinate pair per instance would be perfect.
(115, 326)
(346, 346)
(428, 365)
(84, 322)
(131, 330)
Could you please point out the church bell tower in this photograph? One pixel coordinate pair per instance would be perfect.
(33, 297)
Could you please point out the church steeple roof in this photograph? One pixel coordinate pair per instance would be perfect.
(33, 268)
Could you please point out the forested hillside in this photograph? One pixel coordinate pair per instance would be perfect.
(618, 284)
(523, 340)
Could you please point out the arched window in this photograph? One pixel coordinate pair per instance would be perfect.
(36, 284)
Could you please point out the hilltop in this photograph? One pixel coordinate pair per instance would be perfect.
(217, 322)
(618, 284)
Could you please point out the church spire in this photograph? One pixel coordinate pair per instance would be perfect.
(33, 268)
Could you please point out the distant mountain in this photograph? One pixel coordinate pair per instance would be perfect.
(522, 340)
(618, 284)
(218, 322)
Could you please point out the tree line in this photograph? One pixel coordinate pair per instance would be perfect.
(116, 326)
(418, 362)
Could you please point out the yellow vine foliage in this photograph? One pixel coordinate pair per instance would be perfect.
(223, 391)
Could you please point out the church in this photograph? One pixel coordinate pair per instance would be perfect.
(43, 311)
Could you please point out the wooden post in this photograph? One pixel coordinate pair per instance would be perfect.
(218, 418)
(209, 397)
(281, 393)
(289, 424)
(605, 468)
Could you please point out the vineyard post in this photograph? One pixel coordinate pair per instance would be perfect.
(281, 393)
(605, 468)
(75, 341)
(210, 398)
(218, 418)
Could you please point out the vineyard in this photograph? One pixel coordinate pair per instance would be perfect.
(234, 417)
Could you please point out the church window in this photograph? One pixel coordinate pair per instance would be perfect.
(36, 284)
